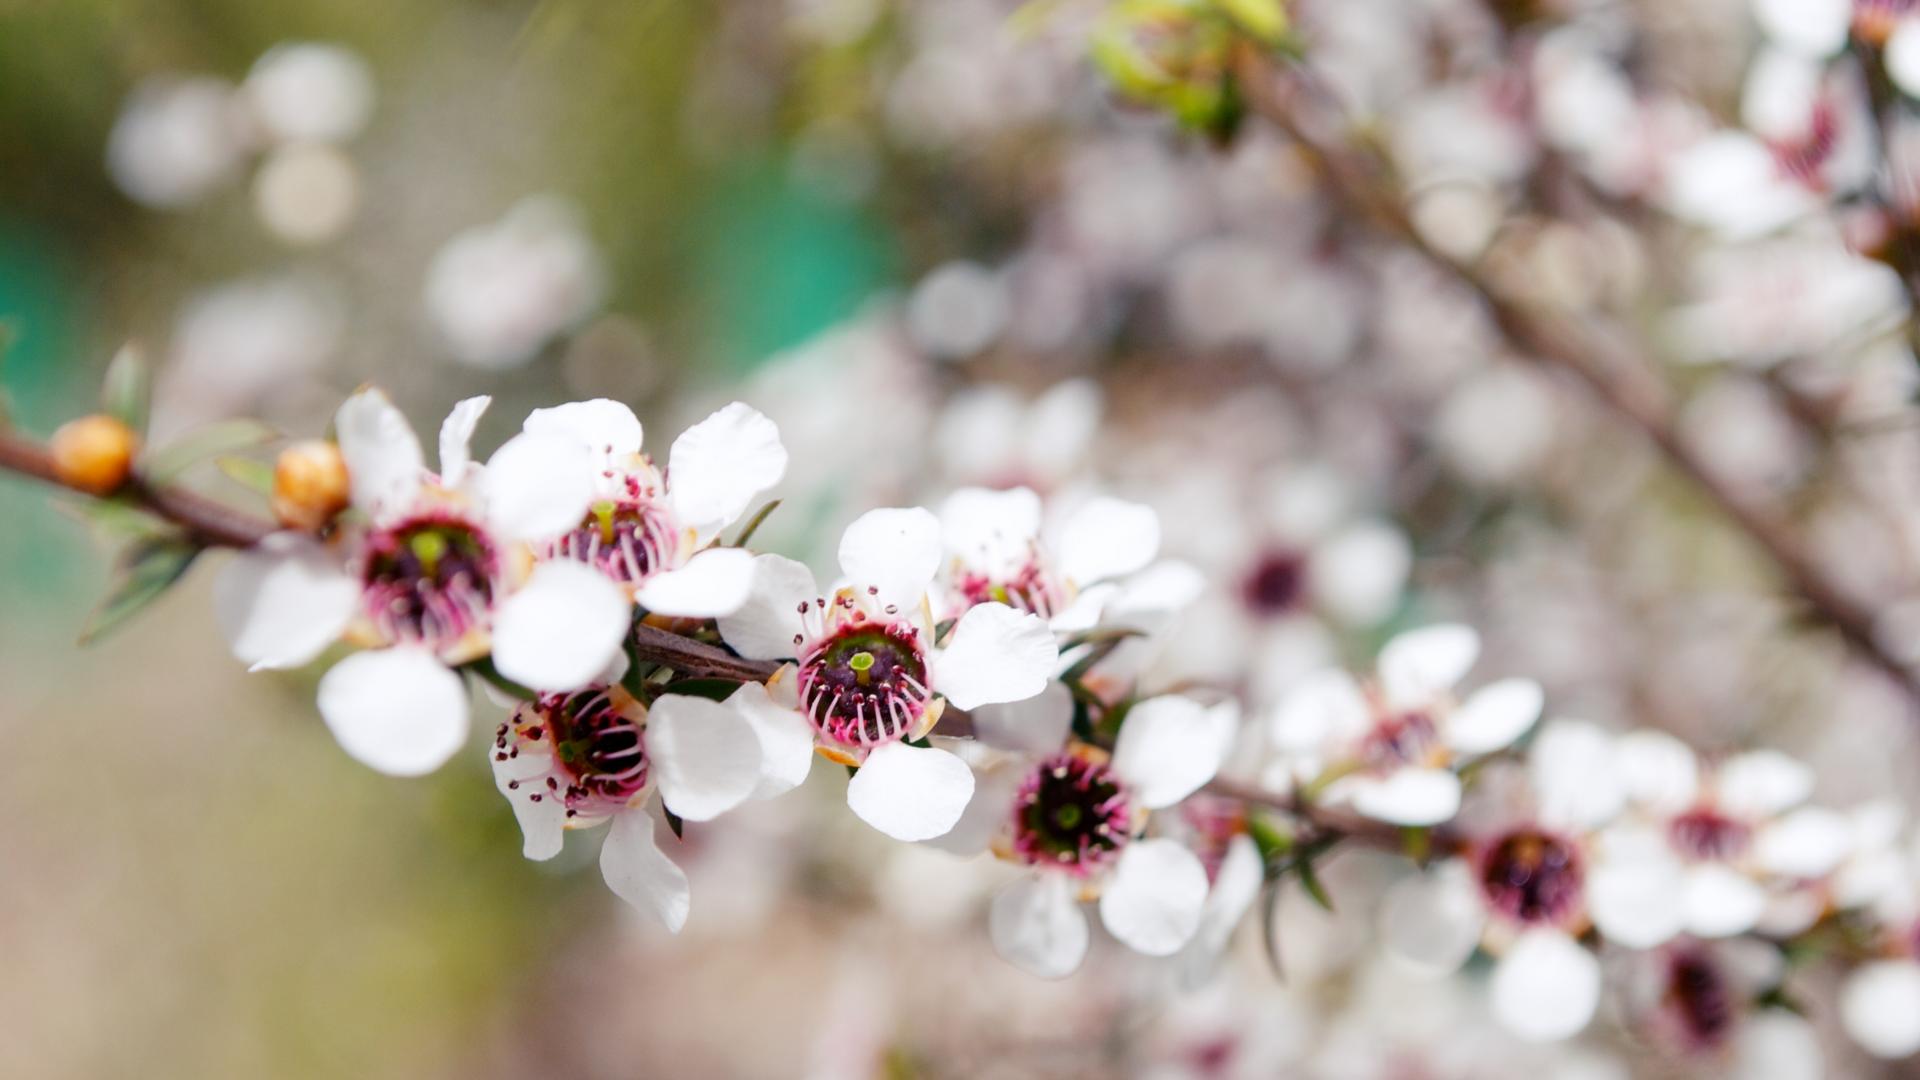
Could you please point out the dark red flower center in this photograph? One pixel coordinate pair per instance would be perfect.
(1532, 877)
(429, 580)
(866, 685)
(1071, 813)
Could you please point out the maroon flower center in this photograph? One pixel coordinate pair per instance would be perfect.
(1532, 877)
(1409, 738)
(428, 580)
(628, 541)
(1031, 590)
(1277, 584)
(866, 685)
(601, 753)
(1708, 835)
(1071, 813)
(1700, 999)
(1804, 158)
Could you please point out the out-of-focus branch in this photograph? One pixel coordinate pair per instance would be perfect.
(209, 522)
(1604, 363)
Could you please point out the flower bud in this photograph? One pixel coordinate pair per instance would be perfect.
(309, 484)
(94, 453)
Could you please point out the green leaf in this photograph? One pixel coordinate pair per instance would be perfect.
(678, 826)
(127, 390)
(484, 668)
(116, 518)
(1310, 881)
(1266, 20)
(1269, 935)
(226, 437)
(753, 523)
(146, 569)
(255, 476)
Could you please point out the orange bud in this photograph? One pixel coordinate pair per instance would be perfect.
(94, 453)
(309, 484)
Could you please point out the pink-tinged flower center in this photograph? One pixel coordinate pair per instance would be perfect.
(1708, 835)
(1875, 20)
(1277, 584)
(1408, 738)
(1214, 822)
(628, 541)
(599, 751)
(1803, 159)
(1031, 590)
(429, 580)
(1699, 1000)
(1532, 877)
(866, 684)
(1071, 813)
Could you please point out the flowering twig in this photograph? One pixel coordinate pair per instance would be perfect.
(1604, 364)
(207, 521)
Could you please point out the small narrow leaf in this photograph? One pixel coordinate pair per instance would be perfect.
(147, 569)
(226, 437)
(125, 393)
(118, 519)
(673, 822)
(753, 523)
(1269, 931)
(1310, 881)
(255, 476)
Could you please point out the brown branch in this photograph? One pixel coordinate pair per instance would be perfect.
(212, 523)
(1609, 371)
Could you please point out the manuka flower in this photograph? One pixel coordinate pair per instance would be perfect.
(651, 532)
(869, 674)
(1388, 748)
(427, 571)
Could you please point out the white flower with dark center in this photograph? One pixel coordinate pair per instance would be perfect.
(1077, 817)
(1702, 845)
(1880, 1002)
(574, 760)
(653, 532)
(1519, 889)
(1388, 747)
(870, 675)
(500, 292)
(1701, 999)
(998, 550)
(428, 571)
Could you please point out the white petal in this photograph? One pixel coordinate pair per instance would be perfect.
(1107, 538)
(714, 582)
(384, 463)
(1776, 1045)
(1037, 927)
(894, 551)
(1722, 902)
(786, 740)
(1418, 664)
(909, 792)
(1169, 747)
(562, 628)
(720, 464)
(456, 438)
(1358, 573)
(543, 823)
(1903, 56)
(538, 486)
(1494, 716)
(992, 531)
(281, 603)
(995, 655)
(1574, 776)
(1235, 887)
(640, 873)
(1154, 899)
(1323, 707)
(1729, 181)
(705, 755)
(1880, 1008)
(1660, 771)
(1406, 797)
(1813, 27)
(1037, 726)
(1431, 922)
(396, 710)
(1546, 987)
(1807, 843)
(1161, 589)
(608, 427)
(765, 626)
(988, 815)
(1761, 783)
(1637, 902)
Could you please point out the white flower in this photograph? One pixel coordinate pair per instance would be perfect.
(989, 434)
(1698, 998)
(652, 532)
(500, 292)
(569, 761)
(1388, 748)
(870, 676)
(429, 574)
(1880, 1007)
(176, 141)
(306, 91)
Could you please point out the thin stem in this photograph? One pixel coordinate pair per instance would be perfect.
(211, 523)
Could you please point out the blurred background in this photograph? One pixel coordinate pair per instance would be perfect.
(931, 241)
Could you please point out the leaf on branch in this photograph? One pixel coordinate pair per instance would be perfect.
(1310, 881)
(1269, 932)
(146, 569)
(116, 519)
(753, 523)
(226, 437)
(1265, 20)
(255, 476)
(126, 392)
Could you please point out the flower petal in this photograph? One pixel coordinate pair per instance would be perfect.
(714, 582)
(640, 873)
(396, 710)
(1406, 797)
(910, 792)
(1660, 772)
(1546, 987)
(1169, 747)
(456, 438)
(1322, 707)
(1154, 899)
(1721, 901)
(282, 602)
(562, 629)
(992, 531)
(1807, 843)
(384, 462)
(1358, 573)
(1431, 922)
(1107, 538)
(718, 465)
(1761, 783)
(1903, 56)
(1494, 716)
(1812, 27)
(705, 755)
(538, 486)
(1235, 887)
(1775, 1044)
(1419, 664)
(608, 427)
(995, 655)
(1880, 1008)
(1036, 726)
(543, 821)
(766, 625)
(1573, 775)
(786, 740)
(894, 551)
(1637, 901)
(1037, 927)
